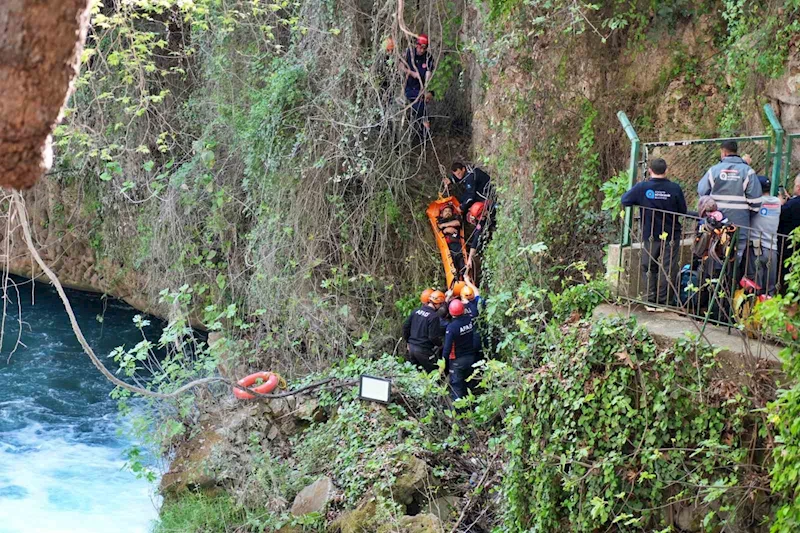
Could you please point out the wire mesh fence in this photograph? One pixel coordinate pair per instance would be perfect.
(792, 167)
(713, 272)
(688, 161)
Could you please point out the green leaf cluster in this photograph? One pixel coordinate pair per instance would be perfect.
(610, 428)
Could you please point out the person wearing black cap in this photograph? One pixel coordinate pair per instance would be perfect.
(762, 263)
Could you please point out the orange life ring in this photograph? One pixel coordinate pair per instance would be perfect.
(270, 382)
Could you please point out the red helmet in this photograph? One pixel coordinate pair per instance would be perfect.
(476, 212)
(456, 308)
(422, 39)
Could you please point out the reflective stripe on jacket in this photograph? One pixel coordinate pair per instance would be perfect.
(735, 188)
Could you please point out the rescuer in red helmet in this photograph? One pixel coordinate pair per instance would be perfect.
(476, 215)
(422, 331)
(417, 65)
(459, 349)
(475, 188)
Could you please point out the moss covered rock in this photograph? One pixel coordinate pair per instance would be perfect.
(411, 481)
(190, 469)
(422, 523)
(361, 519)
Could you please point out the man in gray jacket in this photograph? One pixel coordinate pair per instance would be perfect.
(735, 188)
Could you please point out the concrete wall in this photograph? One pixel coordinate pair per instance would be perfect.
(623, 266)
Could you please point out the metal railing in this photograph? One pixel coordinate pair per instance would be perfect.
(715, 274)
(689, 160)
(792, 167)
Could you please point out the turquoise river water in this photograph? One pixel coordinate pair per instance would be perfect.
(61, 439)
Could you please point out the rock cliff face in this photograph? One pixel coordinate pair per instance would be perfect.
(784, 94)
(60, 226)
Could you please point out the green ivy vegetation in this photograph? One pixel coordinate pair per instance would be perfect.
(781, 316)
(759, 37)
(611, 427)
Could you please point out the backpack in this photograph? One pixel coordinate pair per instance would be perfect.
(688, 287)
(712, 240)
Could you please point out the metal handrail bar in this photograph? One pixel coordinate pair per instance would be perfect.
(777, 128)
(688, 142)
(633, 170)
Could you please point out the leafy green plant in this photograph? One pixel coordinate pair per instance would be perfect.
(610, 428)
(581, 298)
(781, 317)
(613, 189)
(589, 159)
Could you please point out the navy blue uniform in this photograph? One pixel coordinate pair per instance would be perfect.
(459, 349)
(662, 194)
(472, 309)
(790, 219)
(423, 332)
(659, 264)
(422, 64)
(477, 185)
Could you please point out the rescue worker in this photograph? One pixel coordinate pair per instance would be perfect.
(472, 299)
(473, 303)
(422, 331)
(762, 263)
(481, 233)
(459, 349)
(417, 65)
(477, 184)
(735, 188)
(659, 199)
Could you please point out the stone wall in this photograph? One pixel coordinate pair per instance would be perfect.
(60, 229)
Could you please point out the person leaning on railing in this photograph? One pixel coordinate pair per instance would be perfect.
(658, 198)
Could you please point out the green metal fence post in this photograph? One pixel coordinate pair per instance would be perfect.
(778, 153)
(633, 172)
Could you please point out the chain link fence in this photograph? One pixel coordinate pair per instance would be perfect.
(688, 161)
(792, 161)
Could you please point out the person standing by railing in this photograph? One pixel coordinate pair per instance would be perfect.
(762, 263)
(661, 230)
(735, 188)
(790, 219)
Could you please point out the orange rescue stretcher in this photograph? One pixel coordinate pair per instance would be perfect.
(450, 271)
